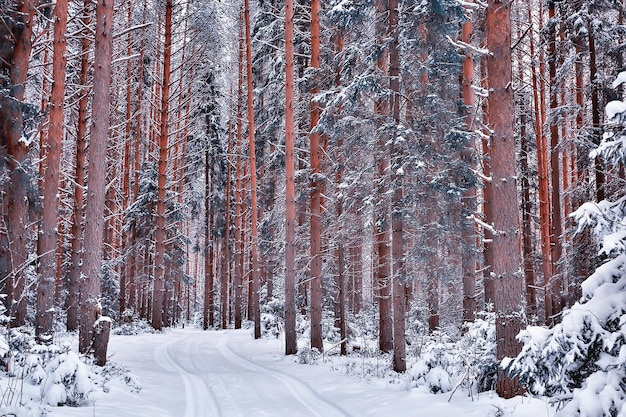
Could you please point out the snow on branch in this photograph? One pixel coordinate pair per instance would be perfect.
(468, 5)
(485, 226)
(463, 46)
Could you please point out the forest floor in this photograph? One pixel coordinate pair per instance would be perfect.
(189, 372)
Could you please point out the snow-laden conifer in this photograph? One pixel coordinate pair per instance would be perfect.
(581, 362)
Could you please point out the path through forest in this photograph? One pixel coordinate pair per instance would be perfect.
(193, 373)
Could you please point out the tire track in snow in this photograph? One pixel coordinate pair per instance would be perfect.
(306, 395)
(200, 400)
(221, 392)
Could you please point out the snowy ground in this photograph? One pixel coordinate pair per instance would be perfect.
(189, 372)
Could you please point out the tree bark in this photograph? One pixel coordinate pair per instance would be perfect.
(554, 288)
(159, 249)
(468, 231)
(71, 302)
(538, 85)
(382, 228)
(94, 211)
(291, 346)
(315, 184)
(12, 108)
(253, 191)
(47, 242)
(505, 270)
(397, 199)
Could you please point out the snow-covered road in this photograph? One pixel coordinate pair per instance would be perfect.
(222, 383)
(193, 373)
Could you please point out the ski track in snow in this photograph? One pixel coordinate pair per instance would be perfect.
(220, 382)
(318, 405)
(200, 400)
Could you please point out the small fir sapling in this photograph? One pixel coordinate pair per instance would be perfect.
(581, 362)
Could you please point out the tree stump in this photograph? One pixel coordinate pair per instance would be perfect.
(102, 329)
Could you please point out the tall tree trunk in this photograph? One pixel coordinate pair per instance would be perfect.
(159, 250)
(76, 233)
(47, 242)
(554, 288)
(315, 178)
(125, 268)
(538, 83)
(94, 219)
(397, 202)
(253, 192)
(595, 112)
(291, 346)
(468, 231)
(508, 284)
(382, 227)
(239, 212)
(526, 207)
(12, 109)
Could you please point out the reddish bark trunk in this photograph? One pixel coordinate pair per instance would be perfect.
(508, 284)
(468, 232)
(542, 156)
(253, 191)
(554, 288)
(51, 156)
(238, 273)
(71, 302)
(159, 245)
(291, 346)
(315, 184)
(94, 221)
(17, 202)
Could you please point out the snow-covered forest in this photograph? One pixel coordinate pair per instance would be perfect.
(429, 191)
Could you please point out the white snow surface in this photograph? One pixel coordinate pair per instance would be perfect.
(190, 372)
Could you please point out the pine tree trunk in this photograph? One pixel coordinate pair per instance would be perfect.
(208, 307)
(526, 202)
(47, 242)
(253, 191)
(538, 85)
(554, 288)
(239, 194)
(125, 268)
(159, 257)
(16, 191)
(397, 202)
(71, 302)
(315, 201)
(291, 346)
(468, 232)
(94, 210)
(595, 112)
(382, 228)
(505, 270)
